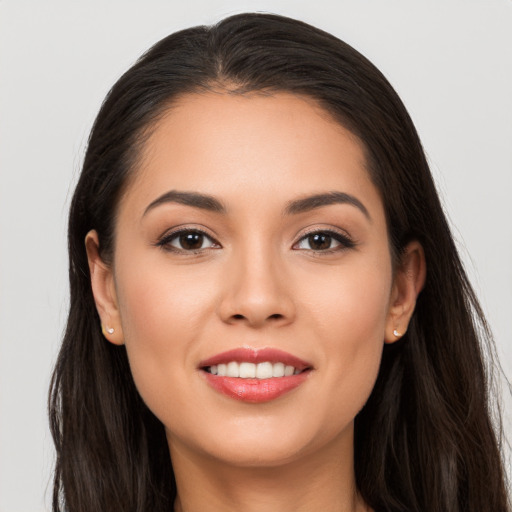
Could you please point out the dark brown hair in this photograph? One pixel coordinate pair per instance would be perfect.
(425, 440)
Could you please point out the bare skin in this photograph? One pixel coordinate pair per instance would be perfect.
(320, 482)
(256, 278)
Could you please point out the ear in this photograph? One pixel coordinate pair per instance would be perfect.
(103, 289)
(407, 284)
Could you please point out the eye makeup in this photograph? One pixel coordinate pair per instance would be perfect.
(191, 241)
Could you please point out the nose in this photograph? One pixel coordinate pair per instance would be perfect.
(256, 291)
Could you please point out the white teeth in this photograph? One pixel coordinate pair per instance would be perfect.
(245, 370)
(288, 370)
(232, 369)
(278, 370)
(264, 371)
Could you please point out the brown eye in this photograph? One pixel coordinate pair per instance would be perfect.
(187, 241)
(191, 241)
(325, 241)
(319, 241)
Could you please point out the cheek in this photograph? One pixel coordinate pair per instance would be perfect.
(350, 302)
(164, 314)
(160, 301)
(351, 314)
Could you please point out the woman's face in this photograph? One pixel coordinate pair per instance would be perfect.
(252, 226)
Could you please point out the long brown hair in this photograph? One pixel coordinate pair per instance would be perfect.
(425, 440)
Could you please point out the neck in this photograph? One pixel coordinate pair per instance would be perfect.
(323, 480)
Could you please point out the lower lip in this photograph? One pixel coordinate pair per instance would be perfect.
(255, 390)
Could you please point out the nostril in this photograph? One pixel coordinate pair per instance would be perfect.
(275, 316)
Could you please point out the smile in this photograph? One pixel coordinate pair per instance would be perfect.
(255, 376)
(266, 370)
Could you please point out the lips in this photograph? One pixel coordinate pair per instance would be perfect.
(254, 375)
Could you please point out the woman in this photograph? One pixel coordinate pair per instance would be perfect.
(268, 311)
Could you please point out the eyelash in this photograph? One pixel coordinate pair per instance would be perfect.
(166, 240)
(344, 241)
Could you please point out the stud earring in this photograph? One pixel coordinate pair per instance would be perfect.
(105, 330)
(397, 334)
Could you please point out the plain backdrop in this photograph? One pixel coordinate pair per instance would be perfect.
(449, 60)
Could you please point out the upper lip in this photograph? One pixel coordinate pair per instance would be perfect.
(251, 355)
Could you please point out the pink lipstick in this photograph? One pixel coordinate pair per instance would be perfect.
(255, 375)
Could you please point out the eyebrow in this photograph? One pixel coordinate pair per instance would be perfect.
(195, 199)
(309, 203)
(302, 205)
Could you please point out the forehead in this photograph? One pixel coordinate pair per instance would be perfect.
(249, 146)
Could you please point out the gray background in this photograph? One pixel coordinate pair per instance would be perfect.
(450, 60)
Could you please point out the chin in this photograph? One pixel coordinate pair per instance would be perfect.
(262, 444)
(261, 454)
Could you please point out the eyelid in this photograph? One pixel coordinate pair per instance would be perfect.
(164, 240)
(342, 237)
